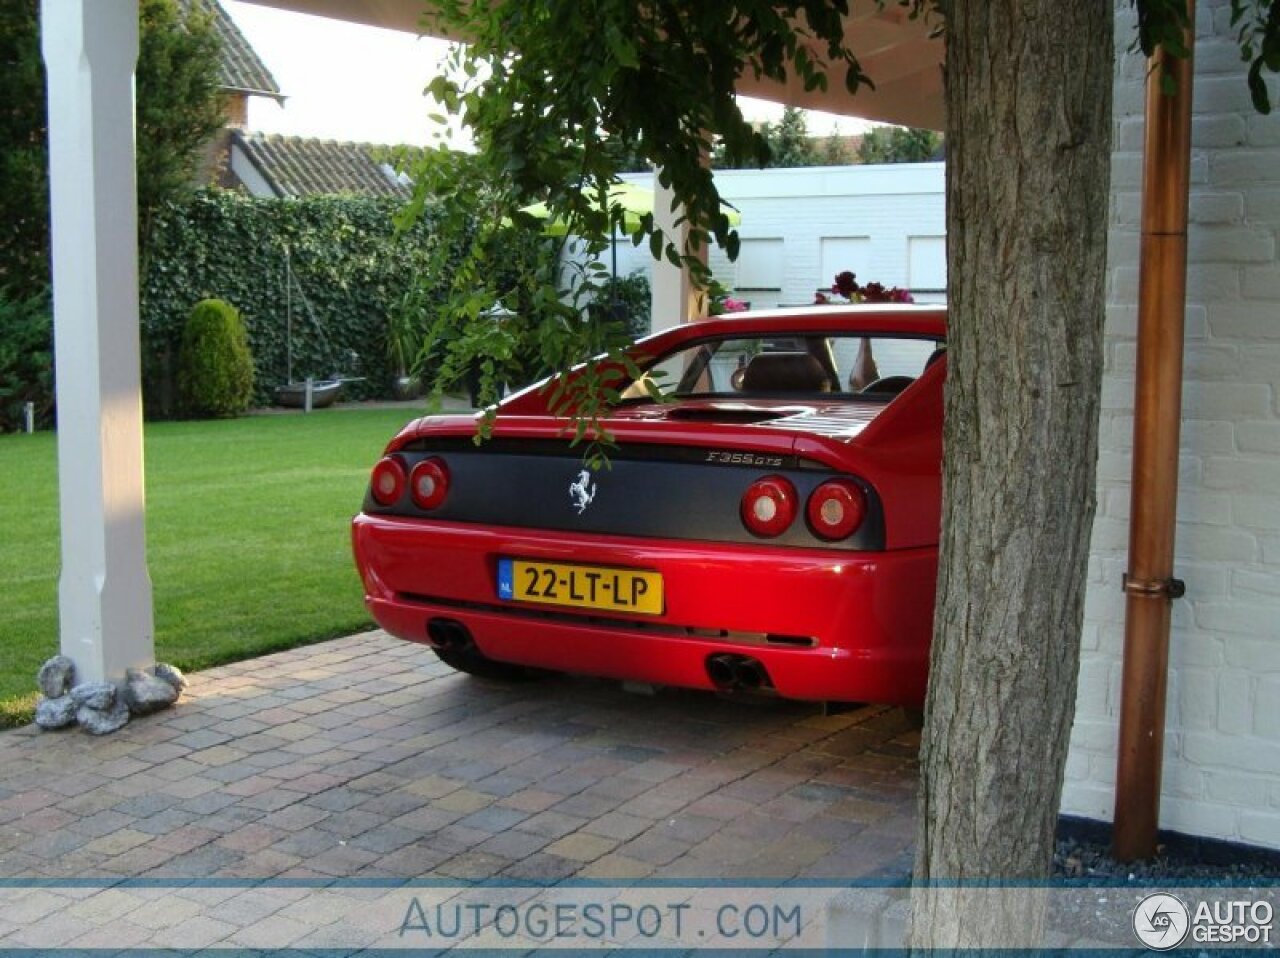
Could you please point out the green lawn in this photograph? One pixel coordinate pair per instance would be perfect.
(247, 538)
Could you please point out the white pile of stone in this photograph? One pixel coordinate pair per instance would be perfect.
(102, 707)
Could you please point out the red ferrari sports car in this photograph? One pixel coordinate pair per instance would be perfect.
(770, 522)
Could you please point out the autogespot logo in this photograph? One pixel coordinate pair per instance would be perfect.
(1161, 922)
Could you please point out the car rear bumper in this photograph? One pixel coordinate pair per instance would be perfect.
(825, 625)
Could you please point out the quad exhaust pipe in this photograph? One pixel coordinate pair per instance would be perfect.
(730, 672)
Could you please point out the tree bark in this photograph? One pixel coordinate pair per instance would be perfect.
(1028, 91)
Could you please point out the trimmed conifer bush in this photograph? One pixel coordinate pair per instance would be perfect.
(215, 367)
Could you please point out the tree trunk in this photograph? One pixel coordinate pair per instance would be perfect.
(1028, 90)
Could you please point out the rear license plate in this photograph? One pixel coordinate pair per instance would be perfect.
(581, 586)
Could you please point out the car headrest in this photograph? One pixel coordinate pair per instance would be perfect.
(785, 373)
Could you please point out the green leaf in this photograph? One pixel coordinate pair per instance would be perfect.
(1258, 88)
(733, 245)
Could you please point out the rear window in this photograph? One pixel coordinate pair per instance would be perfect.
(788, 364)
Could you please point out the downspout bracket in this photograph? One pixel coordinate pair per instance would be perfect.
(1170, 588)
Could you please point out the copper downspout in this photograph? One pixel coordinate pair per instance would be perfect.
(1149, 584)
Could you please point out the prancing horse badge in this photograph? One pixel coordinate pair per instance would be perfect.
(581, 491)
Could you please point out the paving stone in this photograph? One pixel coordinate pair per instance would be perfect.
(111, 938)
(542, 868)
(617, 825)
(349, 823)
(688, 828)
(294, 817)
(860, 810)
(118, 841)
(652, 806)
(251, 837)
(720, 806)
(101, 823)
(531, 800)
(618, 789)
(384, 838)
(494, 819)
(143, 805)
(306, 842)
(581, 847)
(134, 862)
(394, 803)
(552, 824)
(654, 849)
(207, 803)
(54, 844)
(183, 839)
(338, 799)
(49, 932)
(514, 845)
(617, 867)
(473, 866)
(201, 738)
(272, 800)
(45, 820)
(229, 819)
(202, 862)
(342, 861)
(464, 800)
(584, 805)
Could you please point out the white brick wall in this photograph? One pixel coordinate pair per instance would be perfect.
(890, 205)
(1222, 752)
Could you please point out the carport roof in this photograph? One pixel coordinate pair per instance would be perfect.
(902, 55)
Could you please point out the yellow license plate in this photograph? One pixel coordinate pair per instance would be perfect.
(581, 586)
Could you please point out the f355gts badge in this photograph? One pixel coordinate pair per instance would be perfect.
(581, 491)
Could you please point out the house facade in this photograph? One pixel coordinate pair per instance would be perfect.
(1222, 745)
(802, 226)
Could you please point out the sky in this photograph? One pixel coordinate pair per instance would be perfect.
(345, 81)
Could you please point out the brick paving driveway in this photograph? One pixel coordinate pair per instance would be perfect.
(364, 757)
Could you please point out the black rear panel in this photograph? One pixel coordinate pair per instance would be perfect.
(661, 492)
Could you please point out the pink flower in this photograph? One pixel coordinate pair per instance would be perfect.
(732, 305)
(846, 285)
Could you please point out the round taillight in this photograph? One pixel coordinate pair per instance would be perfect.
(836, 509)
(429, 483)
(769, 506)
(387, 484)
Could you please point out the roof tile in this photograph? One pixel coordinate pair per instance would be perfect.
(242, 68)
(297, 166)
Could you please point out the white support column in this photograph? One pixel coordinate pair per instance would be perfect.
(674, 298)
(104, 595)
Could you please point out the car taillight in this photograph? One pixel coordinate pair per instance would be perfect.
(429, 483)
(387, 483)
(769, 506)
(836, 509)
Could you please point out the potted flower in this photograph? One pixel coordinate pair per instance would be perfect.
(846, 289)
(404, 341)
(720, 301)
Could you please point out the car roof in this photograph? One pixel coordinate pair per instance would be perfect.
(908, 319)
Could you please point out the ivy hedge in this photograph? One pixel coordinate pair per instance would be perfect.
(331, 268)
